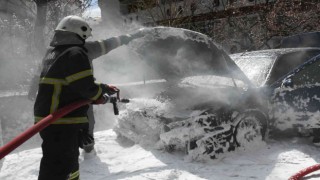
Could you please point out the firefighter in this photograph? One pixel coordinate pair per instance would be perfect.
(95, 50)
(66, 77)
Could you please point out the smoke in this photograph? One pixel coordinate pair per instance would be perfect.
(120, 66)
(198, 74)
(19, 60)
(17, 55)
(164, 53)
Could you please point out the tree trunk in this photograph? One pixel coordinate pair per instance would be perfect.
(110, 13)
(40, 25)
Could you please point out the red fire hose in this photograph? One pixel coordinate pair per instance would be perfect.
(304, 172)
(17, 141)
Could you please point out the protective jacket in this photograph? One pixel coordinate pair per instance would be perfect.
(93, 49)
(66, 77)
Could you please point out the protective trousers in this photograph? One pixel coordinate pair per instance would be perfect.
(60, 150)
(91, 119)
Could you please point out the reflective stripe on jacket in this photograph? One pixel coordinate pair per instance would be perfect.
(66, 77)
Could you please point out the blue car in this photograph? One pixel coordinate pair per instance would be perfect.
(295, 100)
(289, 81)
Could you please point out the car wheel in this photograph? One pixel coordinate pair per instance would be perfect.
(251, 128)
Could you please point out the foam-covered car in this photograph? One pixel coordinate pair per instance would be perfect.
(289, 80)
(208, 106)
(295, 100)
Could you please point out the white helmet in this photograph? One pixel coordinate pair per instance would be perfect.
(76, 25)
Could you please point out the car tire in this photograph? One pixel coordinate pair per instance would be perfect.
(251, 127)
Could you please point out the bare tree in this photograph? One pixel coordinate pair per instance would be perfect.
(246, 25)
(288, 17)
(25, 27)
(255, 26)
(165, 12)
(242, 28)
(40, 24)
(49, 13)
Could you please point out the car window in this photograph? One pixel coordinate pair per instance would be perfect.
(212, 81)
(256, 66)
(288, 62)
(308, 74)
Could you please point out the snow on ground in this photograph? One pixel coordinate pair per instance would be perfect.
(116, 159)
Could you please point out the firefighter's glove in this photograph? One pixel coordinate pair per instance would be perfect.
(105, 99)
(85, 139)
(102, 100)
(111, 89)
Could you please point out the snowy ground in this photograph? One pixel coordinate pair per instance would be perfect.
(119, 160)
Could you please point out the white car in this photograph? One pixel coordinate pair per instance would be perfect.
(209, 106)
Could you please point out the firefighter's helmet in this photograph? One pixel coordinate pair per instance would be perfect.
(76, 25)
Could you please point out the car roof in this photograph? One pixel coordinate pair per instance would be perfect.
(277, 62)
(305, 39)
(271, 52)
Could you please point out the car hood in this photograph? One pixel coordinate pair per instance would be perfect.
(176, 53)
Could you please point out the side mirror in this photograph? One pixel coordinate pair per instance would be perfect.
(287, 83)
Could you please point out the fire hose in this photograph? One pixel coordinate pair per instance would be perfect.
(304, 172)
(23, 137)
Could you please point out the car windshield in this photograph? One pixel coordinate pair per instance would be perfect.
(256, 66)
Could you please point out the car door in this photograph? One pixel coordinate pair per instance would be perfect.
(296, 98)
